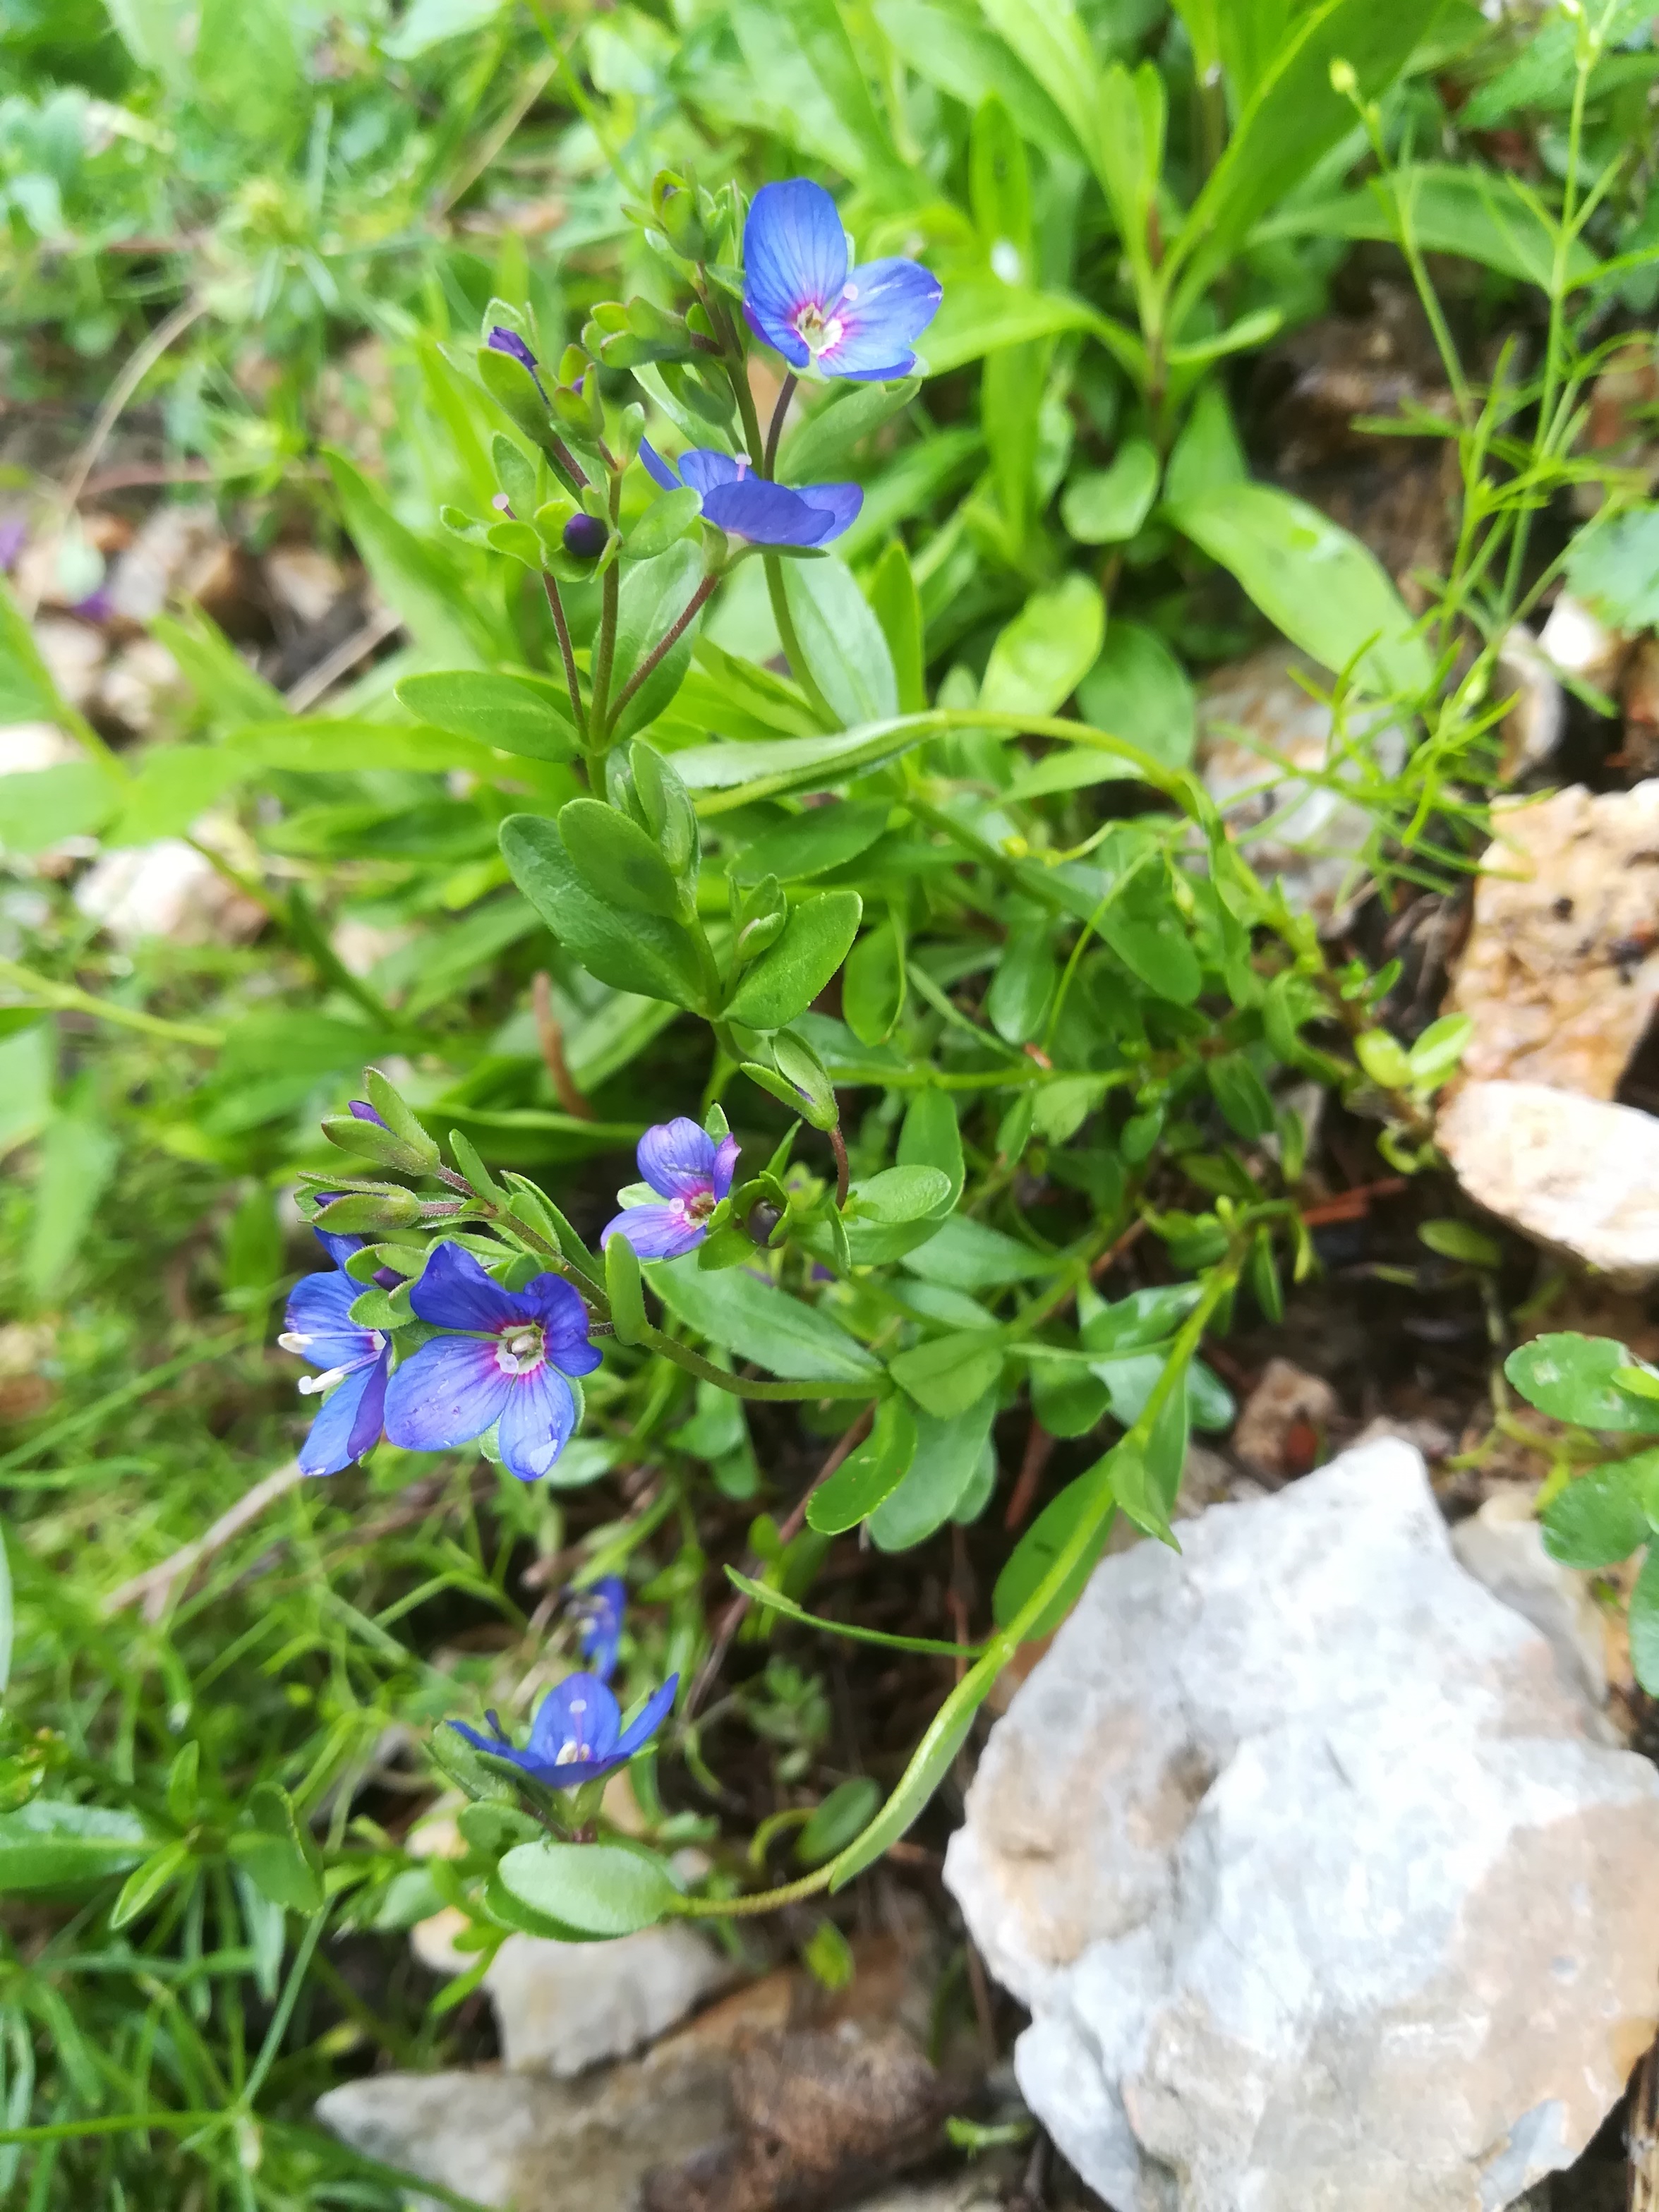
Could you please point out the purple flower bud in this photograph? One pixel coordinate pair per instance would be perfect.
(585, 536)
(362, 1111)
(502, 340)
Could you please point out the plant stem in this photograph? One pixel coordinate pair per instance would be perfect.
(605, 653)
(838, 1146)
(775, 432)
(66, 998)
(665, 645)
(549, 584)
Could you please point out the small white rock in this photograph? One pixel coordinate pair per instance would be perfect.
(304, 580)
(562, 2007)
(1321, 1891)
(1580, 1176)
(165, 889)
(26, 747)
(74, 653)
(1579, 643)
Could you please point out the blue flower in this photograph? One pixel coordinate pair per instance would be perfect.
(598, 1612)
(502, 340)
(318, 1327)
(505, 1359)
(577, 1735)
(747, 505)
(690, 1173)
(800, 297)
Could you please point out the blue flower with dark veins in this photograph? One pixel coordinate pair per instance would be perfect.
(318, 1326)
(577, 1735)
(690, 1174)
(800, 296)
(504, 1358)
(744, 504)
(502, 340)
(597, 1611)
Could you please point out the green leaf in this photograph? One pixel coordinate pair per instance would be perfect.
(756, 1321)
(948, 1454)
(637, 952)
(591, 1889)
(835, 1822)
(7, 1615)
(1039, 659)
(174, 784)
(1440, 1049)
(1105, 507)
(77, 1158)
(423, 585)
(949, 44)
(1293, 115)
(26, 1066)
(621, 865)
(1644, 1624)
(1023, 983)
(969, 1256)
(247, 71)
(654, 594)
(1613, 566)
(1461, 1240)
(52, 1845)
(872, 988)
(949, 1374)
(932, 1138)
(1241, 1096)
(1042, 1545)
(810, 75)
(1572, 1378)
(1144, 927)
(1138, 690)
(897, 607)
(1144, 1318)
(784, 981)
(1479, 214)
(149, 1881)
(809, 843)
(820, 445)
(932, 1761)
(1326, 591)
(663, 524)
(845, 650)
(1601, 1517)
(316, 747)
(621, 1287)
(1207, 454)
(39, 807)
(511, 713)
(981, 314)
(277, 1853)
(900, 1194)
(775, 1602)
(867, 1474)
(27, 693)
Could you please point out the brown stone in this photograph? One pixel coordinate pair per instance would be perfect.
(1560, 971)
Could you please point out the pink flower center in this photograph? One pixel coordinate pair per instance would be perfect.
(520, 1348)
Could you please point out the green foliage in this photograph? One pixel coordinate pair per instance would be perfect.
(890, 852)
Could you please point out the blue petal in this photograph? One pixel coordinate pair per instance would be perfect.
(840, 500)
(794, 254)
(649, 1718)
(359, 1108)
(659, 470)
(599, 1610)
(705, 470)
(333, 1441)
(338, 1249)
(536, 1422)
(319, 1307)
(656, 1232)
(451, 1391)
(676, 1158)
(563, 1318)
(370, 1424)
(726, 1160)
(497, 1746)
(454, 1292)
(580, 1711)
(766, 513)
(887, 306)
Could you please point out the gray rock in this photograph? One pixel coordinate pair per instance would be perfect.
(564, 2006)
(1502, 1547)
(1321, 1894)
(1578, 1175)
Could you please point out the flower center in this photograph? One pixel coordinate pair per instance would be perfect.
(819, 331)
(520, 1348)
(700, 1207)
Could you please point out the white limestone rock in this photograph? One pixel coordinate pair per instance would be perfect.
(562, 2008)
(1578, 1175)
(1322, 1894)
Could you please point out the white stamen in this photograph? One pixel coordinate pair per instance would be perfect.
(520, 1350)
(293, 1340)
(310, 1384)
(569, 1754)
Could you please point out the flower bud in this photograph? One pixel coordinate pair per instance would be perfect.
(367, 1212)
(585, 536)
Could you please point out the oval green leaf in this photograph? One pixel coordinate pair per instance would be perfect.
(595, 1889)
(784, 981)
